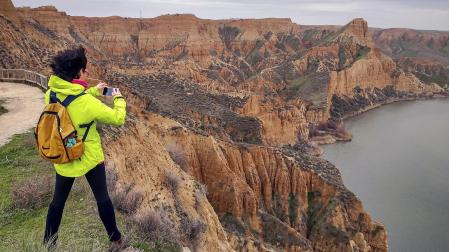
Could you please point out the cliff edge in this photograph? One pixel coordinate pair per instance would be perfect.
(234, 106)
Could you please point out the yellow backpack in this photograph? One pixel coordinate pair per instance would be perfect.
(56, 137)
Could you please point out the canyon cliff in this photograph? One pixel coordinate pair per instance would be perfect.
(234, 106)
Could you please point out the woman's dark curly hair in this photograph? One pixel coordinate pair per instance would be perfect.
(68, 63)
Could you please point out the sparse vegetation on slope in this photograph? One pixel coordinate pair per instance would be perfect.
(228, 34)
(362, 52)
(399, 43)
(26, 184)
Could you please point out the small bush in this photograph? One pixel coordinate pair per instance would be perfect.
(228, 34)
(330, 126)
(156, 226)
(362, 52)
(29, 141)
(172, 181)
(200, 192)
(177, 155)
(32, 193)
(233, 224)
(127, 200)
(193, 230)
(201, 188)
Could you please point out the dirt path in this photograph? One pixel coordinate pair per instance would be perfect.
(24, 104)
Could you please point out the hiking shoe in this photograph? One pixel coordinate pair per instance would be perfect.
(118, 245)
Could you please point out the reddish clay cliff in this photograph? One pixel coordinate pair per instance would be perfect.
(234, 105)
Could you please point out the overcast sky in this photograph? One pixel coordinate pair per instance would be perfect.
(418, 14)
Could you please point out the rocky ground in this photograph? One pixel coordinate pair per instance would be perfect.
(237, 107)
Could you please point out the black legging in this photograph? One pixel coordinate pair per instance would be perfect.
(97, 181)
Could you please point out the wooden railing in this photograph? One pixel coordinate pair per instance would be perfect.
(24, 76)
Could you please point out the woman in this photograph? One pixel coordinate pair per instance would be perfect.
(85, 111)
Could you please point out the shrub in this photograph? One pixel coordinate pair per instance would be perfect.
(172, 181)
(193, 229)
(331, 126)
(293, 205)
(127, 199)
(201, 189)
(30, 142)
(233, 224)
(228, 34)
(200, 192)
(157, 227)
(278, 209)
(32, 193)
(362, 52)
(177, 155)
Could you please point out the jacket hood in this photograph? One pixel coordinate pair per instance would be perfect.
(61, 86)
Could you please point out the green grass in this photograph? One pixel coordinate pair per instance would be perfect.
(405, 48)
(328, 38)
(18, 161)
(318, 212)
(293, 205)
(295, 86)
(311, 87)
(22, 229)
(408, 53)
(362, 52)
(310, 34)
(3, 110)
(331, 36)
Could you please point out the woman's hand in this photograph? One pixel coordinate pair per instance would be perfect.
(100, 87)
(116, 92)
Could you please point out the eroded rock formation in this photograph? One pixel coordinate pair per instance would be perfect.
(235, 105)
(266, 198)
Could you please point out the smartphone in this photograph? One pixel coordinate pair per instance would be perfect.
(107, 91)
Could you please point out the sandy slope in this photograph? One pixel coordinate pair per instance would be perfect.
(24, 104)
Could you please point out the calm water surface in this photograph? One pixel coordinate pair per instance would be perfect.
(398, 165)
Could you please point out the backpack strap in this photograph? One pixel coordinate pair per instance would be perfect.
(53, 98)
(87, 126)
(70, 98)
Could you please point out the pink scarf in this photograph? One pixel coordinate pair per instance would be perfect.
(80, 82)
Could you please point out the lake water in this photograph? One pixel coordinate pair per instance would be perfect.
(398, 165)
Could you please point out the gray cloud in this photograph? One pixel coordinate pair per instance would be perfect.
(418, 14)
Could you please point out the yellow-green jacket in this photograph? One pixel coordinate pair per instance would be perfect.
(84, 110)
